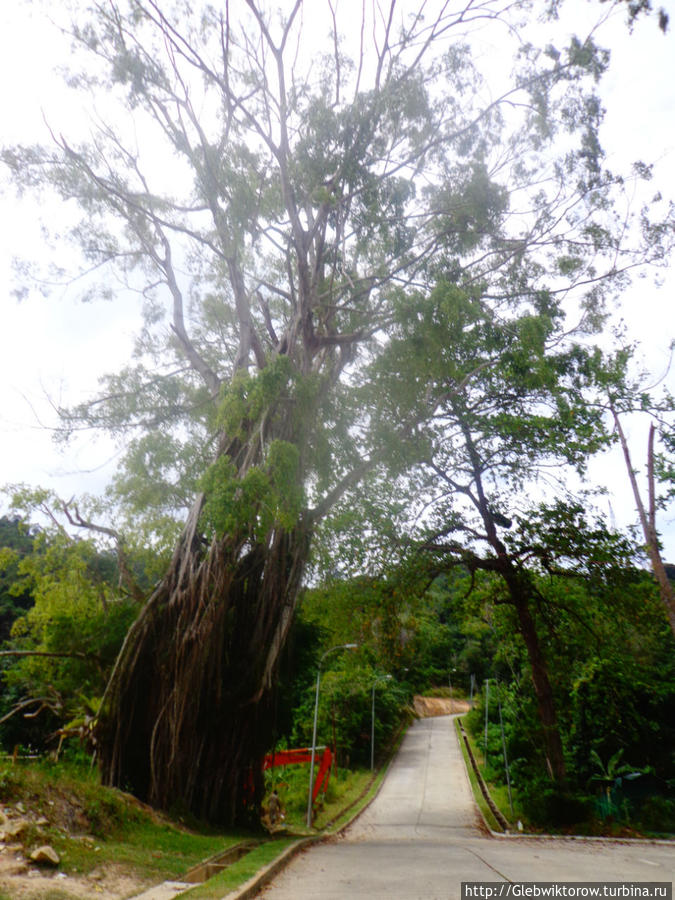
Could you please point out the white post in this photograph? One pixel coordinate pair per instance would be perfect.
(372, 722)
(311, 764)
(316, 717)
(487, 703)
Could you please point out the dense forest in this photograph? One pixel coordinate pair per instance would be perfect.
(608, 651)
(373, 370)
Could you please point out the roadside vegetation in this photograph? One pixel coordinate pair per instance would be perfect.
(377, 360)
(109, 841)
(609, 653)
(100, 835)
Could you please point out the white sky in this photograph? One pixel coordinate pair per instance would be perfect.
(57, 347)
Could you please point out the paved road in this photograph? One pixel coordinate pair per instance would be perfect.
(422, 837)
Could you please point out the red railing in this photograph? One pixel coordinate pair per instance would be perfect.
(293, 757)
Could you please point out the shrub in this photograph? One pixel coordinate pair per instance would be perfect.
(657, 814)
(549, 806)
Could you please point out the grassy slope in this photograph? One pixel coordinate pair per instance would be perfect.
(89, 825)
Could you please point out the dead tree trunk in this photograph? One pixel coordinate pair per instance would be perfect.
(648, 518)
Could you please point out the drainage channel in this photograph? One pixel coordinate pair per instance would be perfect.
(220, 861)
(198, 874)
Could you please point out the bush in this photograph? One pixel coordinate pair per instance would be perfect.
(657, 814)
(549, 806)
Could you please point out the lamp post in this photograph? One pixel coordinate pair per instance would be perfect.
(372, 721)
(316, 716)
(487, 705)
(506, 759)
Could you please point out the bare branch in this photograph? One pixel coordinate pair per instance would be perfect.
(350, 480)
(126, 576)
(648, 519)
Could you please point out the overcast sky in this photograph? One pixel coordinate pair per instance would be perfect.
(53, 349)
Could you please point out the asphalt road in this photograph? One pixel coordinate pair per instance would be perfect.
(422, 837)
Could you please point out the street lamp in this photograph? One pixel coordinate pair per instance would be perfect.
(450, 678)
(372, 721)
(316, 716)
(501, 728)
(487, 706)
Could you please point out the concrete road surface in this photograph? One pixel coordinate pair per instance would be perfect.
(422, 837)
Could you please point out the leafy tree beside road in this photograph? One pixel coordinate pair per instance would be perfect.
(311, 215)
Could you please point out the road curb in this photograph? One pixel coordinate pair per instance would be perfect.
(496, 812)
(256, 882)
(517, 835)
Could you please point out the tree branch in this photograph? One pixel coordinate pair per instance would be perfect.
(126, 577)
(351, 479)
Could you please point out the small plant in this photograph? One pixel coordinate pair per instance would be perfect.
(612, 804)
(607, 774)
(8, 783)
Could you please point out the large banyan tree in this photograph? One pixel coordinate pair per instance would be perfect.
(269, 184)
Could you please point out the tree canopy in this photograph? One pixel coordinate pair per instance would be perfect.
(333, 250)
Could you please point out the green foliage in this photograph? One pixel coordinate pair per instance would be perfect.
(16, 541)
(611, 661)
(256, 502)
(377, 613)
(339, 613)
(301, 252)
(657, 815)
(451, 642)
(364, 268)
(253, 499)
(247, 399)
(9, 783)
(344, 721)
(67, 640)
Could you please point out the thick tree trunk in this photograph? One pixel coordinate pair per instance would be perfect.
(187, 709)
(543, 690)
(520, 593)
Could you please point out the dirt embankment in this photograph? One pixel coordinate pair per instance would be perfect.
(439, 706)
(34, 822)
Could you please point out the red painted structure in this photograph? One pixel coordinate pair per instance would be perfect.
(293, 757)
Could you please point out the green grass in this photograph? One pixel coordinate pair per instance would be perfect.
(240, 871)
(151, 851)
(91, 826)
(444, 691)
(341, 795)
(292, 784)
(500, 796)
(486, 812)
